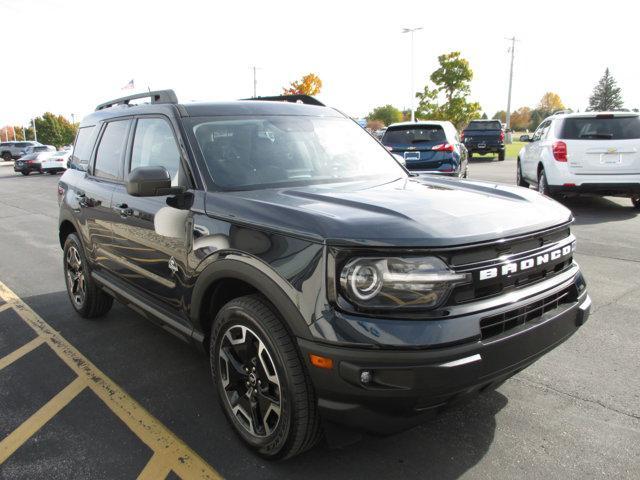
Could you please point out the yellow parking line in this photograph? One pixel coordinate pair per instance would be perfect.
(183, 461)
(35, 422)
(19, 353)
(155, 469)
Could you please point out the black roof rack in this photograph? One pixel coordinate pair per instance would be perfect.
(308, 99)
(158, 96)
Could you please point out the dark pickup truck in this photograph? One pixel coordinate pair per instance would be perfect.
(327, 284)
(484, 136)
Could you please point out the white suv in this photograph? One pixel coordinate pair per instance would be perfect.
(593, 152)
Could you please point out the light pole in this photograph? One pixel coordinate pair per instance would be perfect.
(508, 119)
(413, 93)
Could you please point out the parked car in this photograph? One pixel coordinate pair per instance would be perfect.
(593, 152)
(30, 163)
(484, 136)
(40, 148)
(428, 147)
(55, 163)
(14, 150)
(327, 285)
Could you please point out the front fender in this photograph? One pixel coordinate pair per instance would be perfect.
(236, 265)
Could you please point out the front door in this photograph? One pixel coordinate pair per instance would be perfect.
(150, 240)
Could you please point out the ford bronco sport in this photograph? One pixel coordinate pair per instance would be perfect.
(327, 285)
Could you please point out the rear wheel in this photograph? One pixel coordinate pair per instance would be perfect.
(636, 201)
(86, 296)
(543, 186)
(6, 156)
(501, 156)
(519, 178)
(262, 384)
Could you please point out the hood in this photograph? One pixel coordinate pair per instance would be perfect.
(409, 212)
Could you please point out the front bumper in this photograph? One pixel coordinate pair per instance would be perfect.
(410, 386)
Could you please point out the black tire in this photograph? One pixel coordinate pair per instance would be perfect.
(470, 155)
(25, 173)
(501, 156)
(298, 425)
(6, 156)
(519, 178)
(543, 186)
(636, 201)
(87, 298)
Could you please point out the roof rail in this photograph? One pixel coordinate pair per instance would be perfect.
(308, 99)
(562, 112)
(158, 96)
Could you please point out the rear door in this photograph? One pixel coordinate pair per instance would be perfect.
(602, 144)
(534, 150)
(150, 241)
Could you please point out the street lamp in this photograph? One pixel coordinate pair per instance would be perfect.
(413, 93)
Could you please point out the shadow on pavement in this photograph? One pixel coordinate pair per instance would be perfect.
(590, 210)
(171, 380)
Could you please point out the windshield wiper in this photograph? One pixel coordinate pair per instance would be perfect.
(597, 135)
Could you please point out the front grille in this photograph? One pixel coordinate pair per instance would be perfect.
(503, 322)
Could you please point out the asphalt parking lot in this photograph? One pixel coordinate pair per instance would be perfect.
(120, 398)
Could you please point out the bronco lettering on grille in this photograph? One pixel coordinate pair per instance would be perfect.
(527, 263)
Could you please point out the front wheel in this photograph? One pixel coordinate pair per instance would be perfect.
(636, 201)
(262, 384)
(86, 296)
(6, 156)
(25, 173)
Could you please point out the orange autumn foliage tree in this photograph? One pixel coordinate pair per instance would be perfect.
(309, 84)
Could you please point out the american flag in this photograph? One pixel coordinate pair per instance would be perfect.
(129, 85)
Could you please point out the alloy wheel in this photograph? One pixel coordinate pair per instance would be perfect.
(250, 381)
(76, 282)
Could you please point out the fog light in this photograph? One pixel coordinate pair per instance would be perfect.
(366, 377)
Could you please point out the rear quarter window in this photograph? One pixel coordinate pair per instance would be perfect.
(601, 127)
(83, 146)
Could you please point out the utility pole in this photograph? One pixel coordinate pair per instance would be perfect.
(413, 93)
(35, 134)
(513, 51)
(255, 81)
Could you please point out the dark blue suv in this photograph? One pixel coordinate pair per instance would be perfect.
(428, 147)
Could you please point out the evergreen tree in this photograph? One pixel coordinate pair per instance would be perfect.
(606, 95)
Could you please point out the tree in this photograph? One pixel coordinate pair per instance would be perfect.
(55, 130)
(606, 95)
(484, 116)
(452, 82)
(550, 102)
(387, 114)
(374, 125)
(521, 118)
(309, 84)
(500, 115)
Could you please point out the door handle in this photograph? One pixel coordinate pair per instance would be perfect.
(123, 209)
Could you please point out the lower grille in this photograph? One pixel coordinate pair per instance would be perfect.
(498, 324)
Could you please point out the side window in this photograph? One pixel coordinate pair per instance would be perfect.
(542, 130)
(110, 151)
(82, 147)
(155, 145)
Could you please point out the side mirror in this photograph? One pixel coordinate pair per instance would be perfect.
(150, 182)
(525, 138)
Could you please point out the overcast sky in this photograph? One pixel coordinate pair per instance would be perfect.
(67, 56)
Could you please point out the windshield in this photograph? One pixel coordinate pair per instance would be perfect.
(484, 126)
(601, 127)
(412, 135)
(243, 152)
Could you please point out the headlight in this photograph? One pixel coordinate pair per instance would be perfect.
(392, 282)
